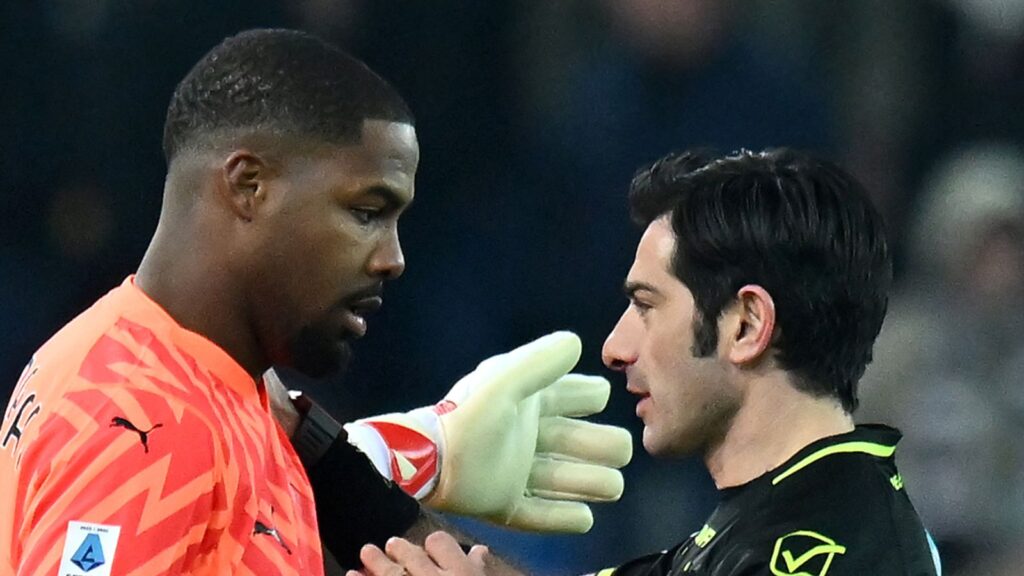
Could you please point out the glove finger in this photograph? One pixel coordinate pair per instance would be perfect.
(585, 441)
(532, 366)
(575, 395)
(562, 480)
(540, 515)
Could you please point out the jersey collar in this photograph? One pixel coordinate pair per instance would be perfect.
(211, 356)
(872, 439)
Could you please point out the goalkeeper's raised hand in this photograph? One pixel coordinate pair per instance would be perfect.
(506, 443)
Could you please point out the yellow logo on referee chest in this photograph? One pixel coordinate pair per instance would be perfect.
(703, 538)
(804, 553)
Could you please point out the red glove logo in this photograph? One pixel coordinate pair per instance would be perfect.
(444, 406)
(413, 456)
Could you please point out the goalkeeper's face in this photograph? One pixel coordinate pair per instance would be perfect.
(330, 242)
(686, 402)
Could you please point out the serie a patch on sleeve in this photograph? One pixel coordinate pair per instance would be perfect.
(88, 549)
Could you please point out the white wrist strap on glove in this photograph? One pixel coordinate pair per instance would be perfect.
(506, 443)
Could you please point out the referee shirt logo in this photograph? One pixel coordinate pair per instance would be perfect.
(804, 553)
(703, 538)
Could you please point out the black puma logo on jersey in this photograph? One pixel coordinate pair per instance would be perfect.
(143, 434)
(261, 528)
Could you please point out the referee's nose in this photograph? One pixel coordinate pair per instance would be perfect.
(620, 347)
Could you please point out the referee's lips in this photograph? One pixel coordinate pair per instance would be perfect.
(641, 405)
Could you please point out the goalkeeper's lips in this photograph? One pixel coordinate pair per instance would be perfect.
(355, 313)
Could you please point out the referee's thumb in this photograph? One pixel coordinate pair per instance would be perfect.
(478, 555)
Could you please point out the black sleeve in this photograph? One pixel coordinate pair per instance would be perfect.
(355, 505)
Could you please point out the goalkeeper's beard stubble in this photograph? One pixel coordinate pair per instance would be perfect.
(319, 352)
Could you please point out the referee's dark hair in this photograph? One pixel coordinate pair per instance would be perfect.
(801, 228)
(282, 82)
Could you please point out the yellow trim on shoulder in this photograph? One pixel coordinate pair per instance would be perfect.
(606, 572)
(871, 448)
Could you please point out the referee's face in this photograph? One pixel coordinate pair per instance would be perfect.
(685, 401)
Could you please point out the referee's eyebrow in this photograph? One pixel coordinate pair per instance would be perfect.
(631, 287)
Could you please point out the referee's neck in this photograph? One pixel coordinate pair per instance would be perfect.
(774, 423)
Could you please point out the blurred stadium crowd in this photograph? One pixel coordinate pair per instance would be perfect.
(532, 116)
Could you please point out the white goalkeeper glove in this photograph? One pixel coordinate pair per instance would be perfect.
(505, 445)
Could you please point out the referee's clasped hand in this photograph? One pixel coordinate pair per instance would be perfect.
(440, 555)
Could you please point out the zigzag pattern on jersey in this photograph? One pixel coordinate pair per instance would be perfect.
(197, 480)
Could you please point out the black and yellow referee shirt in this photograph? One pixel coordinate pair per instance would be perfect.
(836, 508)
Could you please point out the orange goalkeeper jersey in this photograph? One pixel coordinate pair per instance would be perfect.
(132, 446)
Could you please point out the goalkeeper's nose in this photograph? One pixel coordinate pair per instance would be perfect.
(387, 261)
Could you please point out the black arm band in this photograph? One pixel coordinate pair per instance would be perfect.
(355, 505)
(315, 433)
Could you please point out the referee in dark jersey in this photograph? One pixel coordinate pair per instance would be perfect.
(836, 507)
(757, 292)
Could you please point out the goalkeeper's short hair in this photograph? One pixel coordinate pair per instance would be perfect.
(282, 82)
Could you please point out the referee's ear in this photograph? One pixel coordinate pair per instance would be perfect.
(747, 326)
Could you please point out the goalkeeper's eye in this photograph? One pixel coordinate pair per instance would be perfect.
(366, 215)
